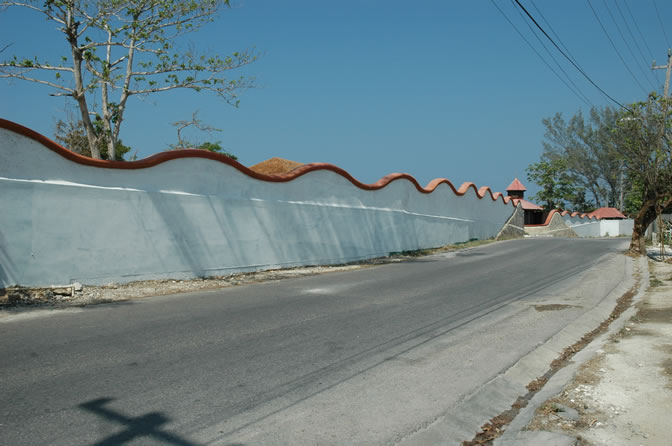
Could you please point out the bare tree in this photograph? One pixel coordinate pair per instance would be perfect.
(194, 122)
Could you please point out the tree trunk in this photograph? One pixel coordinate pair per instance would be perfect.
(79, 94)
(642, 220)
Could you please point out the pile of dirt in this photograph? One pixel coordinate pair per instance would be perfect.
(275, 166)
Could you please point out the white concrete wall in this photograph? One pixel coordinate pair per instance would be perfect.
(590, 227)
(584, 227)
(63, 222)
(615, 228)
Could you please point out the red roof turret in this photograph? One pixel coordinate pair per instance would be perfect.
(516, 186)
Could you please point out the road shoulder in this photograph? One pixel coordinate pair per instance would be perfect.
(504, 403)
(622, 394)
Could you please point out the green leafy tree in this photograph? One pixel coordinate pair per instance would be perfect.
(216, 147)
(632, 202)
(124, 48)
(645, 130)
(72, 135)
(558, 187)
(588, 150)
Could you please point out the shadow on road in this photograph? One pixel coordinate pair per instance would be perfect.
(148, 425)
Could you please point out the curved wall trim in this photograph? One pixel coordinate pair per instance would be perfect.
(579, 215)
(162, 157)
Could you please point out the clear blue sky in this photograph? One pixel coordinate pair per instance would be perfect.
(432, 88)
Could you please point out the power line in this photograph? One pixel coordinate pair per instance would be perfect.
(661, 24)
(553, 31)
(553, 57)
(638, 30)
(648, 48)
(641, 53)
(586, 101)
(615, 49)
(568, 58)
(625, 41)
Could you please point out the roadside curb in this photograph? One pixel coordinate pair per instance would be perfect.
(514, 433)
(497, 396)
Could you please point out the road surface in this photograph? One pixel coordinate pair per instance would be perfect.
(370, 356)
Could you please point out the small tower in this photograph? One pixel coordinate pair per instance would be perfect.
(534, 215)
(516, 189)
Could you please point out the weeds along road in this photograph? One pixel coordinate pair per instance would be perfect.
(370, 356)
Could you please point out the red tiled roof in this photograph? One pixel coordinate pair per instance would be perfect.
(516, 186)
(527, 205)
(606, 213)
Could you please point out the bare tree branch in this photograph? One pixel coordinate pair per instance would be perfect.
(141, 37)
(38, 81)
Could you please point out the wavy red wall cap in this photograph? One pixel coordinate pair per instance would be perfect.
(162, 157)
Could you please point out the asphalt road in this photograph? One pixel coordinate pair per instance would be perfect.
(359, 357)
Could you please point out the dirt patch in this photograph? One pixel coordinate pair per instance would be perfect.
(553, 307)
(648, 313)
(588, 373)
(653, 282)
(638, 331)
(667, 363)
(667, 348)
(667, 371)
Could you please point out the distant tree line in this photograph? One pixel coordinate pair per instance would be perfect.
(617, 158)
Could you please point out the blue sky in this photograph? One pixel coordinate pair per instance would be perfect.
(431, 88)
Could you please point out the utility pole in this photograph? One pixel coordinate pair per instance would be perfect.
(667, 67)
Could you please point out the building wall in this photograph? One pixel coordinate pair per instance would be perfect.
(555, 226)
(615, 228)
(192, 216)
(590, 227)
(583, 226)
(515, 226)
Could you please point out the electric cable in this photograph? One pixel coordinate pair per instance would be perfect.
(588, 103)
(615, 49)
(553, 31)
(662, 26)
(656, 75)
(568, 58)
(632, 35)
(551, 56)
(625, 41)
